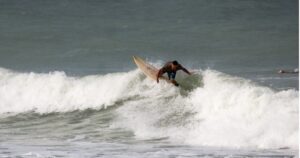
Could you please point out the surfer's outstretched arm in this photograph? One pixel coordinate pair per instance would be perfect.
(185, 70)
(158, 75)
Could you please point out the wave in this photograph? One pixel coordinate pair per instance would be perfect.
(56, 92)
(210, 109)
(221, 111)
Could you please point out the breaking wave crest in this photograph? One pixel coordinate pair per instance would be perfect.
(56, 92)
(210, 108)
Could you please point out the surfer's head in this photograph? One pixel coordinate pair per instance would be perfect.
(175, 62)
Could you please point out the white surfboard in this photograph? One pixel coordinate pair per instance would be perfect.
(148, 69)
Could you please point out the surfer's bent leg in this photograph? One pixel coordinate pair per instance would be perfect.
(172, 76)
(169, 75)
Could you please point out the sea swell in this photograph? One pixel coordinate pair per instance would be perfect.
(57, 92)
(209, 109)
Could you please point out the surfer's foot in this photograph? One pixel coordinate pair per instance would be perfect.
(175, 83)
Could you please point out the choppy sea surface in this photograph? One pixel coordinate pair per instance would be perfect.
(69, 87)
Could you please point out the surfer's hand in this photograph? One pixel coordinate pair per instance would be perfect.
(192, 73)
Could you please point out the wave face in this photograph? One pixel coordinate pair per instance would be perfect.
(210, 109)
(56, 92)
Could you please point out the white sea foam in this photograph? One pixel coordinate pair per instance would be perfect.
(224, 111)
(56, 92)
(217, 110)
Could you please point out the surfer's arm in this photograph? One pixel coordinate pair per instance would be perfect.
(160, 72)
(185, 70)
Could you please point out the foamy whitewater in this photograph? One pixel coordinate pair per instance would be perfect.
(210, 109)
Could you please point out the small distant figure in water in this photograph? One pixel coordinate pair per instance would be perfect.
(295, 71)
(171, 67)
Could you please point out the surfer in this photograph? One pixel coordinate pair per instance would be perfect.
(170, 68)
(295, 71)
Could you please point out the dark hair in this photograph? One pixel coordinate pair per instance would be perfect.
(175, 62)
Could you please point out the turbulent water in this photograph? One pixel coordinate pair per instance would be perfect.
(210, 109)
(69, 88)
